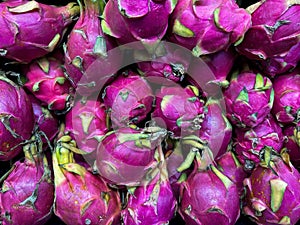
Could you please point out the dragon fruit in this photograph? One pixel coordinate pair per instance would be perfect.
(273, 191)
(215, 129)
(31, 30)
(249, 143)
(156, 70)
(169, 63)
(276, 33)
(153, 202)
(209, 197)
(292, 145)
(46, 121)
(47, 82)
(85, 162)
(27, 194)
(181, 110)
(80, 196)
(220, 64)
(17, 119)
(87, 123)
(249, 99)
(205, 27)
(128, 99)
(86, 45)
(137, 20)
(231, 167)
(174, 159)
(287, 97)
(125, 156)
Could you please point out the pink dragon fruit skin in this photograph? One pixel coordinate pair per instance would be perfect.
(172, 72)
(80, 196)
(86, 123)
(153, 202)
(273, 193)
(171, 64)
(209, 197)
(31, 30)
(220, 64)
(211, 76)
(215, 129)
(140, 209)
(125, 156)
(249, 99)
(46, 121)
(276, 34)
(17, 119)
(47, 82)
(230, 166)
(180, 110)
(174, 160)
(204, 26)
(83, 161)
(27, 194)
(292, 145)
(249, 143)
(128, 99)
(287, 97)
(143, 20)
(87, 44)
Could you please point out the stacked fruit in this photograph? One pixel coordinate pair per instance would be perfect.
(150, 112)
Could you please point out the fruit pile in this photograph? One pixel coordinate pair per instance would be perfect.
(149, 112)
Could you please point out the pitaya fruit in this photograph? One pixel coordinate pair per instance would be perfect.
(249, 99)
(47, 82)
(27, 194)
(287, 97)
(80, 196)
(87, 124)
(273, 38)
(156, 72)
(45, 120)
(169, 63)
(180, 110)
(292, 145)
(249, 143)
(174, 159)
(128, 99)
(220, 64)
(83, 161)
(16, 117)
(125, 156)
(153, 202)
(86, 45)
(231, 167)
(209, 197)
(137, 20)
(215, 129)
(205, 27)
(273, 191)
(30, 30)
